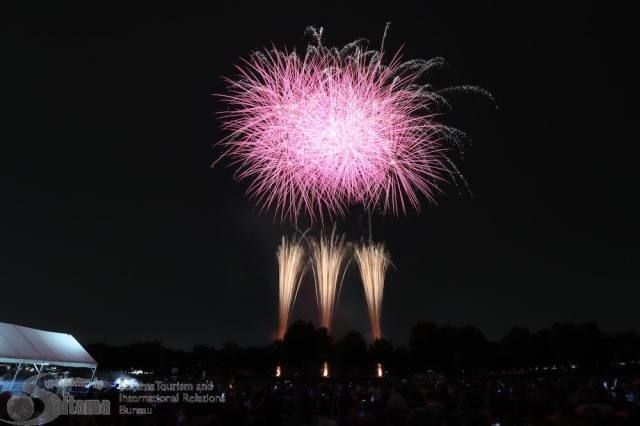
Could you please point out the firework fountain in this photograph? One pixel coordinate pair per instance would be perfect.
(291, 262)
(325, 370)
(373, 260)
(329, 263)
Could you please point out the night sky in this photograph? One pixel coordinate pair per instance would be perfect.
(113, 226)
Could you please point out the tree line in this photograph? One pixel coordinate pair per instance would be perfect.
(431, 347)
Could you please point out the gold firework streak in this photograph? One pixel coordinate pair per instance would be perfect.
(292, 263)
(329, 262)
(373, 260)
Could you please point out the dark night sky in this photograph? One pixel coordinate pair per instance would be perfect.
(114, 228)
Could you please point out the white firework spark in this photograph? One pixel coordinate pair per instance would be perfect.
(292, 263)
(329, 263)
(373, 260)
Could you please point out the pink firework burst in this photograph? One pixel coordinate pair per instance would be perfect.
(319, 132)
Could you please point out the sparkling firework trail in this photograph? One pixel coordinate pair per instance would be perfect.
(335, 127)
(373, 260)
(291, 263)
(325, 369)
(328, 260)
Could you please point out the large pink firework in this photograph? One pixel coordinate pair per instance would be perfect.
(319, 132)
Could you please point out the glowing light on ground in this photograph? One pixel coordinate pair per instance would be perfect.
(329, 262)
(291, 263)
(325, 369)
(319, 131)
(373, 260)
(379, 371)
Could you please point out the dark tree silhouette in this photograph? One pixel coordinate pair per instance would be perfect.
(351, 354)
(445, 349)
(381, 350)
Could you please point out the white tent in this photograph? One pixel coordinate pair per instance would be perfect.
(24, 345)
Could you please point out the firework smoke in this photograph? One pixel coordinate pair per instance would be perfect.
(328, 260)
(373, 260)
(291, 263)
(335, 127)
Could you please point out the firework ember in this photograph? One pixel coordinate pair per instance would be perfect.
(373, 260)
(328, 259)
(336, 127)
(291, 263)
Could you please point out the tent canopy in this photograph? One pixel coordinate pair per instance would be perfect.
(30, 346)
